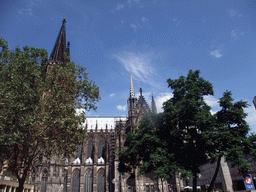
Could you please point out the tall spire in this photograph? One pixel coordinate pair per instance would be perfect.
(153, 105)
(132, 95)
(57, 55)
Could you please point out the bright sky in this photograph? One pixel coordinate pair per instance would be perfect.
(153, 39)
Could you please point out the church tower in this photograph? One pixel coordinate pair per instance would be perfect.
(59, 50)
(132, 100)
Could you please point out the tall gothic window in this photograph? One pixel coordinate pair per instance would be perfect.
(44, 180)
(90, 148)
(88, 181)
(56, 171)
(101, 148)
(101, 187)
(65, 183)
(76, 181)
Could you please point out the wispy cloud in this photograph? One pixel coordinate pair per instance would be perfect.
(135, 26)
(112, 94)
(139, 64)
(217, 52)
(121, 107)
(119, 6)
(28, 10)
(235, 34)
(144, 19)
(232, 12)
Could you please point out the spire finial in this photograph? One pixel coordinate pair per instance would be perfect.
(153, 105)
(64, 21)
(132, 95)
(140, 91)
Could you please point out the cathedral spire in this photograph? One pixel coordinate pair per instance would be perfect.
(57, 55)
(132, 95)
(153, 105)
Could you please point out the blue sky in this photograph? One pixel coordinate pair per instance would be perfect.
(153, 39)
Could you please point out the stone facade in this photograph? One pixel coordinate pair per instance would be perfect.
(95, 166)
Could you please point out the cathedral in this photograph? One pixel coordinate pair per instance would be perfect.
(95, 166)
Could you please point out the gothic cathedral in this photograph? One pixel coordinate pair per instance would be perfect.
(95, 167)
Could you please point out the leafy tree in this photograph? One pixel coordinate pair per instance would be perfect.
(146, 151)
(175, 141)
(38, 109)
(188, 118)
(229, 135)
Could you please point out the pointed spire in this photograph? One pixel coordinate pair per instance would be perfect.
(132, 94)
(57, 55)
(153, 105)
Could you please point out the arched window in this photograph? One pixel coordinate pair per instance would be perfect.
(76, 181)
(44, 180)
(88, 181)
(101, 148)
(101, 187)
(90, 149)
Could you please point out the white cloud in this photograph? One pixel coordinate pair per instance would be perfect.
(112, 94)
(251, 118)
(119, 6)
(216, 53)
(211, 101)
(139, 64)
(121, 108)
(161, 99)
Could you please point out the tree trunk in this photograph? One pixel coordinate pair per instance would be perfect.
(194, 181)
(21, 185)
(215, 174)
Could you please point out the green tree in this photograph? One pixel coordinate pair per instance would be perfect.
(38, 110)
(188, 118)
(146, 151)
(229, 136)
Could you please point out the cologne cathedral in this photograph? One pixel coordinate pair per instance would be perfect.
(95, 167)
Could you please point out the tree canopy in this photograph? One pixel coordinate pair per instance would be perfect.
(187, 135)
(38, 109)
(229, 135)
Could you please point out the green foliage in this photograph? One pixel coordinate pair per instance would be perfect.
(38, 109)
(188, 118)
(146, 150)
(186, 135)
(229, 135)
